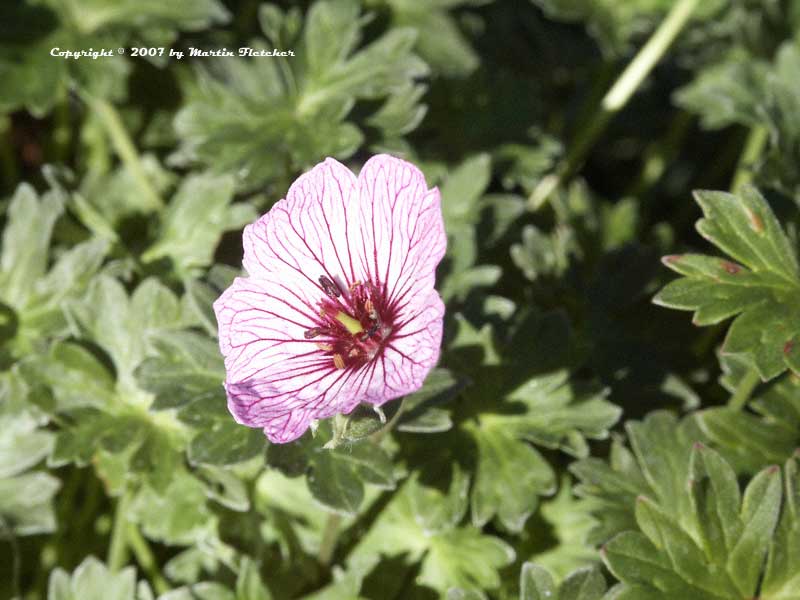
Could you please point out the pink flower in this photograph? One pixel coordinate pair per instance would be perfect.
(339, 307)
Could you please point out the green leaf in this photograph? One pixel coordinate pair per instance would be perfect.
(510, 476)
(728, 92)
(178, 515)
(92, 580)
(452, 556)
(782, 575)
(335, 484)
(198, 215)
(466, 558)
(187, 368)
(760, 290)
(657, 468)
(26, 503)
(421, 410)
(186, 15)
(225, 442)
(38, 296)
(338, 475)
(750, 441)
(583, 584)
(205, 590)
(26, 240)
(547, 410)
(734, 532)
(249, 585)
(759, 515)
(462, 203)
(264, 120)
(439, 41)
(123, 326)
(536, 583)
(89, 25)
(75, 375)
(570, 522)
(544, 255)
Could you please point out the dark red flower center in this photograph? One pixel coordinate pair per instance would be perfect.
(354, 324)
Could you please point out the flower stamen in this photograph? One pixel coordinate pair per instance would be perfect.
(310, 334)
(330, 288)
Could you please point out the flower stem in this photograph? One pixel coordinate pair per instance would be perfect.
(616, 98)
(118, 546)
(743, 391)
(144, 556)
(125, 149)
(753, 147)
(329, 537)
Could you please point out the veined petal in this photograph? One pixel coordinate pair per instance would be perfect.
(308, 231)
(410, 354)
(400, 228)
(339, 307)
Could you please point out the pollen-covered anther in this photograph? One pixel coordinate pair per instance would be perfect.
(324, 347)
(338, 361)
(310, 334)
(329, 287)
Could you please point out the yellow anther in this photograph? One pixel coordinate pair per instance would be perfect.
(338, 361)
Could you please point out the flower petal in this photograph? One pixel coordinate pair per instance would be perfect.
(401, 229)
(308, 231)
(410, 354)
(384, 227)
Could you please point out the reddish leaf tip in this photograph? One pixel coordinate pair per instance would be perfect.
(755, 220)
(730, 267)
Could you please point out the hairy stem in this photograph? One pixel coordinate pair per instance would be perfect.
(743, 391)
(616, 98)
(118, 546)
(753, 147)
(144, 556)
(329, 537)
(125, 149)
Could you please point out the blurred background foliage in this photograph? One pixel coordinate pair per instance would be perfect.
(577, 441)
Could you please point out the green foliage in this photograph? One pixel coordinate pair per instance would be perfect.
(576, 441)
(536, 583)
(720, 552)
(424, 523)
(616, 24)
(761, 290)
(753, 440)
(26, 499)
(262, 120)
(439, 40)
(92, 580)
(655, 466)
(85, 25)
